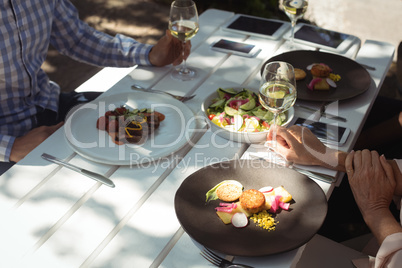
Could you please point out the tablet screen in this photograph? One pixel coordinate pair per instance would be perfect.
(255, 25)
(322, 130)
(320, 36)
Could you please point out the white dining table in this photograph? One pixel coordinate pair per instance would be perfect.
(55, 217)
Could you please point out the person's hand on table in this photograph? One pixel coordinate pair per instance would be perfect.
(25, 144)
(169, 50)
(300, 146)
(373, 185)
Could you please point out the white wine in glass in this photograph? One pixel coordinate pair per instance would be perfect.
(183, 24)
(295, 9)
(277, 91)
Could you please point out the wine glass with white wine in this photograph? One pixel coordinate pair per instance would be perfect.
(183, 24)
(295, 9)
(277, 91)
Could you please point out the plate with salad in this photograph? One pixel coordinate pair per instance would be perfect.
(236, 114)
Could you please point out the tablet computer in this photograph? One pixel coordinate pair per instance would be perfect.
(326, 133)
(250, 25)
(323, 38)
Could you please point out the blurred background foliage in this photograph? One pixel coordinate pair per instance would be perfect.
(260, 8)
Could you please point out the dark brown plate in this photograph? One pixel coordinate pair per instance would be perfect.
(354, 78)
(296, 226)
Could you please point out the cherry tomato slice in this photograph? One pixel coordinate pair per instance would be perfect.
(265, 124)
(211, 116)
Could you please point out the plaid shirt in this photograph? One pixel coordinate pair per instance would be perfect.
(27, 27)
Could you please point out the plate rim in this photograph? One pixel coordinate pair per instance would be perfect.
(223, 251)
(238, 136)
(327, 54)
(188, 114)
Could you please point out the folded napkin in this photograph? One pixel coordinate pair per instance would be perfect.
(261, 151)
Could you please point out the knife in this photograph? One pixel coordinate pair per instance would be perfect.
(323, 114)
(90, 174)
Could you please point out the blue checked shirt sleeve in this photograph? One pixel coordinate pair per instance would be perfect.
(6, 142)
(88, 45)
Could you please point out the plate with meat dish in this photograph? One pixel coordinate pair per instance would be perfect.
(158, 140)
(294, 227)
(354, 78)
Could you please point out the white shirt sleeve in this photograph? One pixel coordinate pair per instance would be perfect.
(390, 252)
(399, 163)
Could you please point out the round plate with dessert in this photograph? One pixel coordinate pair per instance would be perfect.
(353, 78)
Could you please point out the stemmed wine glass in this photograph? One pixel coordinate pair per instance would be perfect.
(277, 91)
(183, 24)
(295, 9)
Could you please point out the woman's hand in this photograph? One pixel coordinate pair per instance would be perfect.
(169, 50)
(373, 184)
(299, 145)
(371, 179)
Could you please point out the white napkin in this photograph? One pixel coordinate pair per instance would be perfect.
(260, 150)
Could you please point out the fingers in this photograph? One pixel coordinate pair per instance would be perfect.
(374, 157)
(187, 49)
(298, 133)
(386, 166)
(365, 160)
(375, 162)
(177, 61)
(280, 131)
(168, 35)
(388, 169)
(357, 160)
(349, 164)
(282, 142)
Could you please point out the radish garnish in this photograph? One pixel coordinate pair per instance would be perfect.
(266, 189)
(331, 82)
(239, 220)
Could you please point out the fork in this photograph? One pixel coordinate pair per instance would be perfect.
(180, 98)
(219, 261)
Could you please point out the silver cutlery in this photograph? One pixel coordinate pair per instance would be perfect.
(180, 98)
(219, 261)
(90, 174)
(312, 174)
(323, 113)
